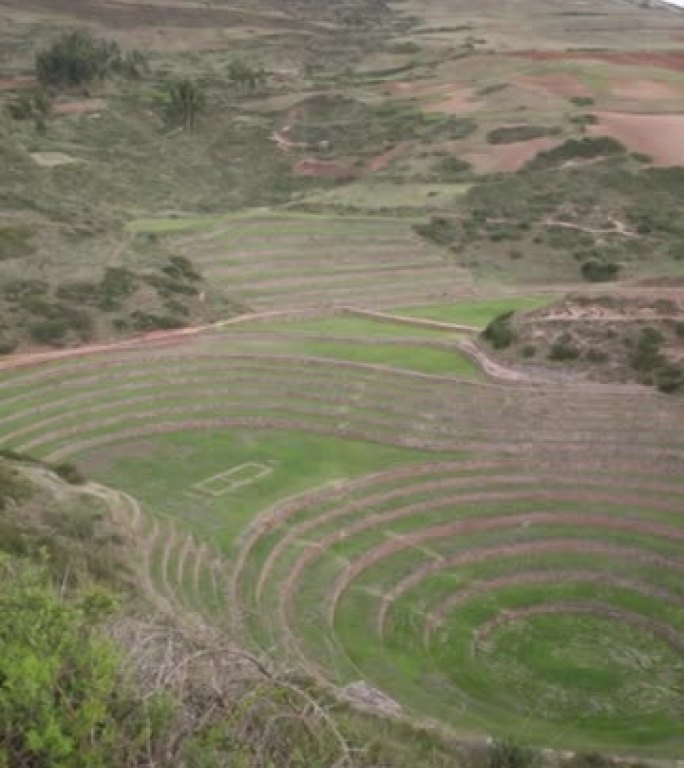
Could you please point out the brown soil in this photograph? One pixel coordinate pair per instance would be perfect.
(659, 136)
(559, 84)
(323, 170)
(646, 89)
(665, 59)
(458, 100)
(381, 161)
(510, 157)
(87, 106)
(17, 83)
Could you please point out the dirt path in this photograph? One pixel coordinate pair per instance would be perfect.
(492, 368)
(152, 338)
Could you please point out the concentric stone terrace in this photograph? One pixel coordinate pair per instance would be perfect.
(502, 559)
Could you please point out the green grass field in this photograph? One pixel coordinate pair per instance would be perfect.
(501, 560)
(477, 313)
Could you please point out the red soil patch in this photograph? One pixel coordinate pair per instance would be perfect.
(559, 84)
(17, 83)
(415, 89)
(510, 157)
(321, 169)
(666, 59)
(457, 101)
(660, 136)
(87, 106)
(646, 89)
(381, 161)
(454, 98)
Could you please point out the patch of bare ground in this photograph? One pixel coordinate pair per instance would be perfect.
(324, 169)
(456, 100)
(673, 60)
(661, 137)
(83, 107)
(509, 157)
(600, 610)
(646, 90)
(384, 159)
(556, 84)
(17, 83)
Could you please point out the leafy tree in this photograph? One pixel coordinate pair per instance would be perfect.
(78, 58)
(499, 332)
(186, 100)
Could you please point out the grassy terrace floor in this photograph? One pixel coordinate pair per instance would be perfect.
(354, 497)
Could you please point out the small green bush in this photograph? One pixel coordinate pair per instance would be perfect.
(587, 148)
(528, 350)
(15, 242)
(507, 754)
(509, 134)
(599, 270)
(499, 332)
(563, 351)
(48, 331)
(70, 473)
(596, 356)
(582, 101)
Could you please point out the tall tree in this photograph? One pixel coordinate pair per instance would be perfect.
(186, 100)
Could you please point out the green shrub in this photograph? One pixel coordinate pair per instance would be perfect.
(599, 270)
(509, 134)
(7, 345)
(70, 473)
(63, 699)
(506, 754)
(440, 230)
(596, 356)
(676, 250)
(499, 332)
(669, 377)
(582, 101)
(645, 355)
(48, 331)
(451, 168)
(528, 350)
(15, 242)
(588, 148)
(144, 321)
(563, 350)
(78, 58)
